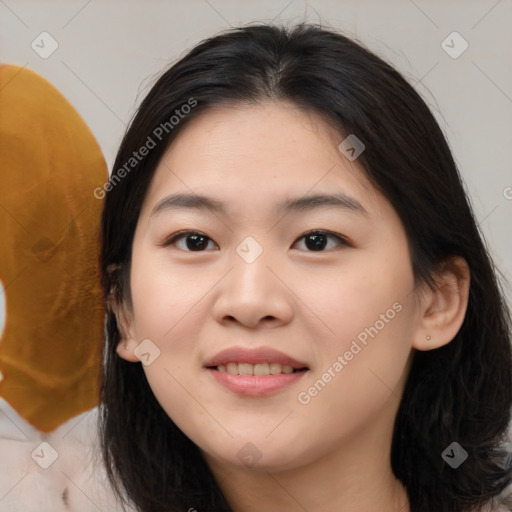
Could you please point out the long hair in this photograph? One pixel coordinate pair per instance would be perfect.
(461, 392)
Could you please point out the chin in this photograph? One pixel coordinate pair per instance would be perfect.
(257, 455)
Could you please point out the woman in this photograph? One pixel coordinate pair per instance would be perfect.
(289, 252)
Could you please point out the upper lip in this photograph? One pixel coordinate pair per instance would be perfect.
(253, 356)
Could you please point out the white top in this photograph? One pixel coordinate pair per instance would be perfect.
(56, 472)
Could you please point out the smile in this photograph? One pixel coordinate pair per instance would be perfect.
(259, 369)
(254, 371)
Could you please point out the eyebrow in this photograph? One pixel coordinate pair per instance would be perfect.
(300, 204)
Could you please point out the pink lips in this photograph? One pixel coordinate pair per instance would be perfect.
(253, 385)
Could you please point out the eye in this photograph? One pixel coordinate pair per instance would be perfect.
(194, 241)
(317, 240)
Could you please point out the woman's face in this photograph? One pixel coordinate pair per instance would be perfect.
(225, 313)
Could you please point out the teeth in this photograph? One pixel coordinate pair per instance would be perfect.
(232, 368)
(262, 369)
(245, 369)
(259, 369)
(275, 368)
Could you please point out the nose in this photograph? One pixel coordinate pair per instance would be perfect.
(254, 292)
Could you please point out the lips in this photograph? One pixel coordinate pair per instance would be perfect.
(255, 372)
(244, 359)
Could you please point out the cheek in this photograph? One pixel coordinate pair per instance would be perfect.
(368, 316)
(367, 300)
(363, 368)
(169, 310)
(164, 298)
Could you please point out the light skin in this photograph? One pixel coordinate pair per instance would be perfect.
(332, 453)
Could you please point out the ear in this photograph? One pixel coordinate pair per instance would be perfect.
(443, 308)
(127, 339)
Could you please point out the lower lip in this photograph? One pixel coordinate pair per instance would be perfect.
(253, 385)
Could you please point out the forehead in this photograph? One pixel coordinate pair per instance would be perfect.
(251, 155)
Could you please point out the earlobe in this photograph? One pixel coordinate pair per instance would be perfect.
(125, 350)
(127, 340)
(443, 308)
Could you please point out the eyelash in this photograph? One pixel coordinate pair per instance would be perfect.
(182, 234)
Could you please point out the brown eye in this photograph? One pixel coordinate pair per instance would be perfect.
(193, 241)
(316, 241)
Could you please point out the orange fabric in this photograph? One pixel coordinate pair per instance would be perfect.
(50, 164)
